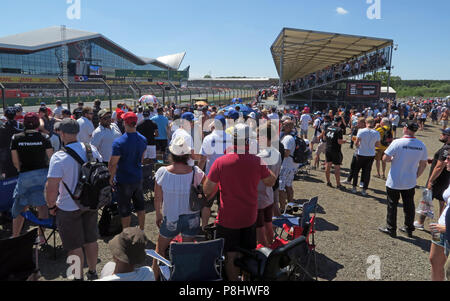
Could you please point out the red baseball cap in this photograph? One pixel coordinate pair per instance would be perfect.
(31, 121)
(130, 119)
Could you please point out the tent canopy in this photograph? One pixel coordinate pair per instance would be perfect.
(307, 51)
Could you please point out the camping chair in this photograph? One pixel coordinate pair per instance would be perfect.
(272, 265)
(16, 258)
(6, 195)
(192, 261)
(43, 224)
(297, 205)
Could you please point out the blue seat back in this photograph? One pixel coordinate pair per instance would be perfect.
(6, 194)
(45, 223)
(308, 209)
(196, 261)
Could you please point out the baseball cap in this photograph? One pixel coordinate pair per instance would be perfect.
(43, 104)
(69, 126)
(129, 246)
(31, 121)
(189, 116)
(318, 113)
(221, 119)
(66, 112)
(233, 114)
(10, 113)
(446, 131)
(130, 119)
(411, 125)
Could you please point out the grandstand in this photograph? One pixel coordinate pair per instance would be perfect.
(321, 66)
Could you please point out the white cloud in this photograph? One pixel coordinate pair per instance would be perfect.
(341, 11)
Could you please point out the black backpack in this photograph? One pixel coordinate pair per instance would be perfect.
(93, 190)
(387, 137)
(281, 150)
(301, 151)
(110, 223)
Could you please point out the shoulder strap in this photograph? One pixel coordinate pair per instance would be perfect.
(73, 154)
(193, 175)
(90, 157)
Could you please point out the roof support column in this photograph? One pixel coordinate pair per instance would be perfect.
(390, 68)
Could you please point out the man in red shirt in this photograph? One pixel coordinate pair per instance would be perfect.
(237, 175)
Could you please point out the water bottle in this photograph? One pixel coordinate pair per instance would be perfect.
(436, 236)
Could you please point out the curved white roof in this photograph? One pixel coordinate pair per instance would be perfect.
(50, 37)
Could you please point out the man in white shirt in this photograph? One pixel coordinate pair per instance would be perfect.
(86, 125)
(77, 229)
(367, 140)
(395, 120)
(305, 121)
(409, 158)
(57, 112)
(128, 250)
(104, 136)
(274, 115)
(288, 168)
(213, 147)
(317, 130)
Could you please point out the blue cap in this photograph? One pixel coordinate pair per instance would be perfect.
(221, 119)
(188, 116)
(446, 131)
(233, 114)
(10, 113)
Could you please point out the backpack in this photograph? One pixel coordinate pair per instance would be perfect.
(301, 151)
(110, 223)
(93, 190)
(387, 138)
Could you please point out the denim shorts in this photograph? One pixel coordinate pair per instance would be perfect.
(125, 194)
(29, 191)
(443, 243)
(187, 225)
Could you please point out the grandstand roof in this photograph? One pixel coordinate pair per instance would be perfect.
(307, 51)
(50, 37)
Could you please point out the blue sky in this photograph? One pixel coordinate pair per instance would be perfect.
(233, 38)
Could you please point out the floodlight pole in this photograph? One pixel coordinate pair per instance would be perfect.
(109, 92)
(164, 94)
(138, 88)
(390, 67)
(176, 92)
(66, 85)
(3, 97)
(190, 95)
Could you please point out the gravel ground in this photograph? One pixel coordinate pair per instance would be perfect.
(347, 231)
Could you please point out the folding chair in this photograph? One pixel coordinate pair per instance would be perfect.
(6, 192)
(272, 265)
(192, 261)
(43, 224)
(16, 258)
(297, 205)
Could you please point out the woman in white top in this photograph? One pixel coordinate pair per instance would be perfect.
(422, 119)
(172, 192)
(440, 249)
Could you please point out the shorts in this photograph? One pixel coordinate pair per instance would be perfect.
(264, 216)
(315, 140)
(150, 153)
(286, 177)
(304, 132)
(379, 154)
(187, 225)
(334, 157)
(244, 238)
(161, 145)
(276, 196)
(77, 228)
(394, 128)
(125, 194)
(29, 191)
(444, 123)
(321, 148)
(443, 243)
(423, 120)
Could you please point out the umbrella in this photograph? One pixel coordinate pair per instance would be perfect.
(149, 99)
(201, 103)
(243, 109)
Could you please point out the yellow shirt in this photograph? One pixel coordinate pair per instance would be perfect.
(382, 130)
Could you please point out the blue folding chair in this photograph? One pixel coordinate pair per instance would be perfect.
(6, 194)
(43, 224)
(192, 261)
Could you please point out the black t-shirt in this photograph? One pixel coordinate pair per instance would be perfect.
(441, 183)
(147, 129)
(31, 147)
(333, 135)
